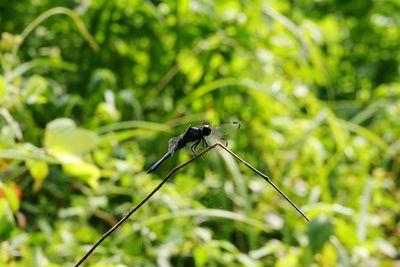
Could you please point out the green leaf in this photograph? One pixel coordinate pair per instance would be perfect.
(346, 233)
(319, 230)
(39, 171)
(39, 63)
(27, 151)
(3, 92)
(7, 222)
(34, 90)
(201, 255)
(10, 193)
(39, 259)
(66, 142)
(83, 170)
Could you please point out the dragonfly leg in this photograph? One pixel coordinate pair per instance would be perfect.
(204, 142)
(194, 146)
(226, 142)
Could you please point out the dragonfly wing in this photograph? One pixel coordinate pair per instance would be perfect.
(172, 142)
(225, 129)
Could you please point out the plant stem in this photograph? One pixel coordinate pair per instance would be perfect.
(172, 172)
(265, 177)
(126, 217)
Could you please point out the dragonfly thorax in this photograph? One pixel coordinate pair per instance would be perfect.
(195, 135)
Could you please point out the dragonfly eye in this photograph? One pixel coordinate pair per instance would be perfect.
(206, 129)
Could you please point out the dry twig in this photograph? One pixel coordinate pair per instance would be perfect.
(133, 210)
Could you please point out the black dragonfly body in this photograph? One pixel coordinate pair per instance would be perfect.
(195, 135)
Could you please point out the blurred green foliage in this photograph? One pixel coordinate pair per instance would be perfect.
(91, 91)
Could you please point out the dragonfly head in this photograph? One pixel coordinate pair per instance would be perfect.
(206, 129)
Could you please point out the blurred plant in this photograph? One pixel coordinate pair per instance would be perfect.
(315, 84)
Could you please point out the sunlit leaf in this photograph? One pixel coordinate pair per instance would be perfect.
(2, 88)
(23, 154)
(39, 259)
(39, 171)
(34, 90)
(67, 142)
(328, 256)
(345, 232)
(10, 193)
(201, 255)
(85, 171)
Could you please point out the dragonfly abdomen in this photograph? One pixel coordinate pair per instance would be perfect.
(158, 163)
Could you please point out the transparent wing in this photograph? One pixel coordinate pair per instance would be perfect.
(224, 130)
(172, 142)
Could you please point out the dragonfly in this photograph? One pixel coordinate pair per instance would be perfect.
(195, 135)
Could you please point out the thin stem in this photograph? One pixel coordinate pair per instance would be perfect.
(126, 217)
(265, 177)
(172, 172)
(55, 11)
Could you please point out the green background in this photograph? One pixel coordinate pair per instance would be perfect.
(90, 92)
